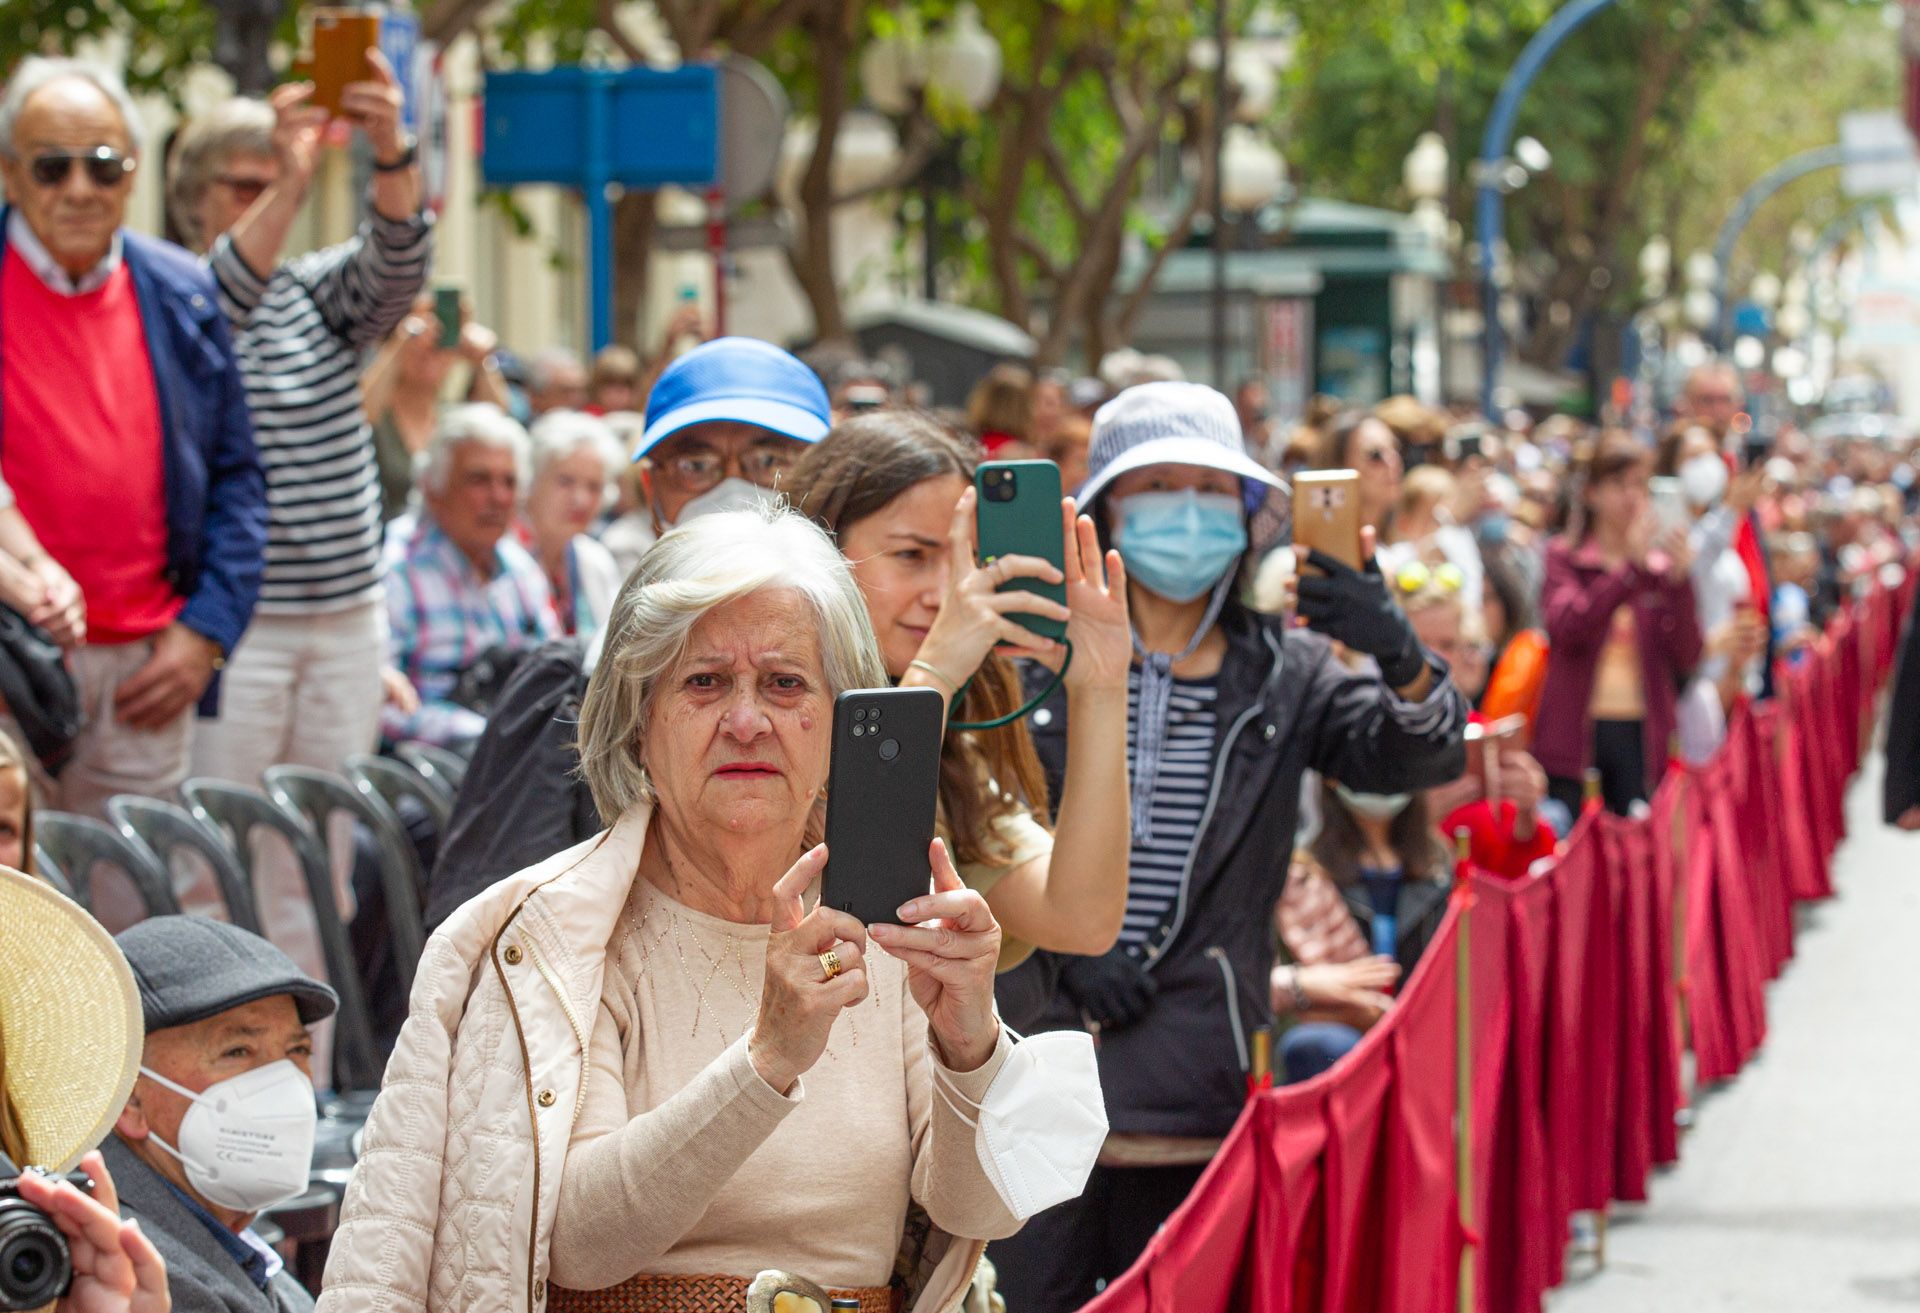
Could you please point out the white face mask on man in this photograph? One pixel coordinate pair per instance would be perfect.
(1704, 479)
(247, 1142)
(732, 494)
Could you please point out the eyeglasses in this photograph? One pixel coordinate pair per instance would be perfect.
(106, 167)
(1414, 577)
(1375, 456)
(245, 190)
(698, 472)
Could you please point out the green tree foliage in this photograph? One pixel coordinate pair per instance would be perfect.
(1615, 106)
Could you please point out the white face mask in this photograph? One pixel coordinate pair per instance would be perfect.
(1704, 479)
(247, 1142)
(734, 494)
(1042, 1123)
(1374, 806)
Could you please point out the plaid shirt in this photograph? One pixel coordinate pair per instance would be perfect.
(442, 617)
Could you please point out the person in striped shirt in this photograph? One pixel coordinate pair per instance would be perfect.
(305, 683)
(304, 686)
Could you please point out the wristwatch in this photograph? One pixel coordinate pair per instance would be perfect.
(403, 161)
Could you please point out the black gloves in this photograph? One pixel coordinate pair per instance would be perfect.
(1356, 609)
(1112, 989)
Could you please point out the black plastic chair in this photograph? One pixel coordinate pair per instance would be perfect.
(241, 812)
(390, 781)
(167, 830)
(49, 870)
(79, 844)
(316, 796)
(436, 763)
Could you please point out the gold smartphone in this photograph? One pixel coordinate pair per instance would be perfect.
(341, 39)
(1326, 513)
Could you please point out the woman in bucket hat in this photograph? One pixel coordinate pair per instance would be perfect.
(1227, 708)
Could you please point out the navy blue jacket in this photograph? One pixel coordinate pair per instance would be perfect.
(216, 493)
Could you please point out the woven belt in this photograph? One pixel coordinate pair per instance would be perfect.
(658, 1294)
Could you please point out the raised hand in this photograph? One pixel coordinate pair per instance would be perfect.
(299, 129)
(798, 1001)
(1097, 609)
(950, 944)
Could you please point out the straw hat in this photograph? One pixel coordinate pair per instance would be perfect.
(69, 1021)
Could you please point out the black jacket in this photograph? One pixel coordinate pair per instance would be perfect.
(201, 1276)
(1285, 705)
(1417, 913)
(1901, 785)
(522, 799)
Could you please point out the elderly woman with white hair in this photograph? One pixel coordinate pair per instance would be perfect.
(461, 588)
(629, 1080)
(575, 458)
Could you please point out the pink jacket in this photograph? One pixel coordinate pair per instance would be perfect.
(1577, 601)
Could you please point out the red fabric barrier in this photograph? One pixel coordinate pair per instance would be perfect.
(1342, 1194)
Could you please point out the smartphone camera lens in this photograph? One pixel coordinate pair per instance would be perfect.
(1001, 486)
(859, 714)
(889, 749)
(858, 730)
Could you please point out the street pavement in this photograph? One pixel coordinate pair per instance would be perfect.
(1798, 1186)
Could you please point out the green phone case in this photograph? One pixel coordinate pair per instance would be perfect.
(446, 308)
(1017, 513)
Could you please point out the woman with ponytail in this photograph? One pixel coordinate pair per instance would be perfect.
(895, 489)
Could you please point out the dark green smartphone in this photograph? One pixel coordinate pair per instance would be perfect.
(1017, 513)
(446, 308)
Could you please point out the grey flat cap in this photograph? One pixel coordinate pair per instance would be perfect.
(191, 967)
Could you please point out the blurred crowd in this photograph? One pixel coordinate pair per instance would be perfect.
(267, 511)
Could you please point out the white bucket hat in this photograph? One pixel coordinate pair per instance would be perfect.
(70, 1027)
(1182, 424)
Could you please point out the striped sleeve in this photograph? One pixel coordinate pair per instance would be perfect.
(365, 286)
(239, 288)
(1430, 712)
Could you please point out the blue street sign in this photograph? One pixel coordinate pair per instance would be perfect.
(590, 128)
(400, 42)
(662, 126)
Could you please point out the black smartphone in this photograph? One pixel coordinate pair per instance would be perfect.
(1016, 512)
(882, 782)
(446, 308)
(1755, 448)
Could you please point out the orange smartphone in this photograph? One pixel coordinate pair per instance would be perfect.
(1326, 513)
(341, 39)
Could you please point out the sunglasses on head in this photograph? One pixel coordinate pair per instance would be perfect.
(106, 167)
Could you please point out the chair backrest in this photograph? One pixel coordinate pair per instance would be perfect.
(49, 870)
(316, 795)
(78, 844)
(436, 763)
(390, 781)
(167, 830)
(238, 813)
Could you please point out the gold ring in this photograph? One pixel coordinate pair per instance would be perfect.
(830, 963)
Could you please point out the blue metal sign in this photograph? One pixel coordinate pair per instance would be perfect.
(400, 43)
(591, 128)
(660, 127)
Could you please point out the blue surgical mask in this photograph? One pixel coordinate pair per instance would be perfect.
(1180, 544)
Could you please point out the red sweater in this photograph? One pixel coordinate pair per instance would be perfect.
(80, 444)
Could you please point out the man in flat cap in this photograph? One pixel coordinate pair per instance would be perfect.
(220, 1125)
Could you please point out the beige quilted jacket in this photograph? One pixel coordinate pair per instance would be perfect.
(452, 1204)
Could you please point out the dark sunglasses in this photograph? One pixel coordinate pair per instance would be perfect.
(246, 190)
(106, 167)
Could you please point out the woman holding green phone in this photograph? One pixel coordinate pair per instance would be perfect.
(895, 489)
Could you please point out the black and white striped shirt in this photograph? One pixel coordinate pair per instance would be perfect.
(300, 336)
(1179, 798)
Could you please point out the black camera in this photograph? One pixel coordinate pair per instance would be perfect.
(1001, 484)
(36, 1267)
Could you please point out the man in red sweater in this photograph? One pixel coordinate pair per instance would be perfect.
(124, 434)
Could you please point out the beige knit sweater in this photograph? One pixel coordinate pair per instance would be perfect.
(684, 1161)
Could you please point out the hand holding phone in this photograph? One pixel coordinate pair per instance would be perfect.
(1018, 513)
(342, 36)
